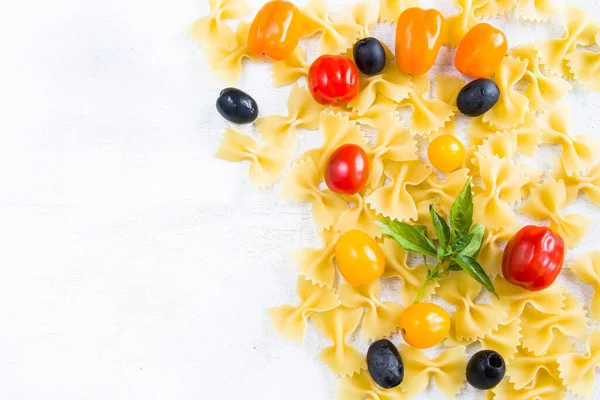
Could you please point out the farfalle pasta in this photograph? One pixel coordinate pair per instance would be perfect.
(291, 321)
(211, 30)
(579, 152)
(581, 30)
(427, 115)
(587, 268)
(578, 370)
(478, 131)
(505, 339)
(502, 144)
(380, 318)
(363, 14)
(303, 112)
(544, 387)
(461, 23)
(361, 387)
(502, 187)
(336, 36)
(381, 113)
(266, 163)
(447, 370)
(447, 88)
(584, 65)
(494, 8)
(394, 200)
(291, 69)
(490, 257)
(543, 90)
(336, 325)
(389, 84)
(538, 10)
(512, 107)
(471, 320)
(545, 203)
(442, 192)
(317, 265)
(359, 216)
(390, 10)
(588, 183)
(302, 184)
(539, 328)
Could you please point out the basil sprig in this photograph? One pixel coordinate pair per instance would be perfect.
(459, 242)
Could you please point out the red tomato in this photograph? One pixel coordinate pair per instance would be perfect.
(347, 169)
(333, 80)
(533, 258)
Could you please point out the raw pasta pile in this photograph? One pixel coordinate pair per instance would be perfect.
(533, 331)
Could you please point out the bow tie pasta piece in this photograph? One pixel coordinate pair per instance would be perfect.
(528, 135)
(336, 130)
(471, 320)
(494, 8)
(503, 182)
(361, 387)
(543, 90)
(478, 131)
(427, 115)
(585, 67)
(337, 324)
(526, 366)
(226, 61)
(390, 10)
(317, 265)
(458, 25)
(291, 69)
(412, 278)
(447, 88)
(442, 192)
(490, 256)
(580, 31)
(587, 268)
(380, 113)
(514, 299)
(544, 387)
(291, 321)
(504, 340)
(545, 203)
(538, 327)
(538, 10)
(363, 14)
(302, 184)
(360, 216)
(336, 36)
(447, 369)
(394, 200)
(502, 144)
(390, 84)
(303, 112)
(266, 163)
(211, 30)
(579, 152)
(394, 143)
(381, 319)
(512, 107)
(589, 183)
(578, 370)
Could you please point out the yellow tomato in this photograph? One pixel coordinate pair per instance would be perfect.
(446, 153)
(359, 258)
(423, 325)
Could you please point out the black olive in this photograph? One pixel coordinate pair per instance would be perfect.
(385, 364)
(237, 106)
(485, 369)
(478, 97)
(369, 56)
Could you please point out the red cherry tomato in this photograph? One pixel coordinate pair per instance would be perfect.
(333, 80)
(347, 169)
(533, 258)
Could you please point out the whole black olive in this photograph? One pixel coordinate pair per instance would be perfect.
(385, 364)
(485, 369)
(369, 56)
(478, 97)
(237, 106)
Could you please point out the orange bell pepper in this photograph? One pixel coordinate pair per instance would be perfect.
(481, 51)
(275, 30)
(419, 37)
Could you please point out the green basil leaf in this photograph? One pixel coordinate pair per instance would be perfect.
(441, 227)
(472, 249)
(472, 267)
(422, 228)
(408, 237)
(461, 243)
(461, 213)
(453, 266)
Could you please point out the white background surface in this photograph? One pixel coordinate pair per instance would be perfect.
(134, 264)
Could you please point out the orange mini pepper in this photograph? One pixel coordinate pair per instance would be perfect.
(275, 30)
(419, 37)
(481, 51)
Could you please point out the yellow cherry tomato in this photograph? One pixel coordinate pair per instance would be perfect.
(423, 325)
(359, 258)
(446, 153)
